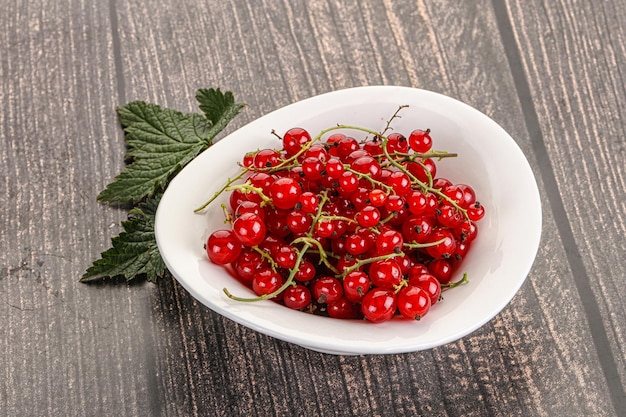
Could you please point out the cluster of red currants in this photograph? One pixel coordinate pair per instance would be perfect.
(347, 228)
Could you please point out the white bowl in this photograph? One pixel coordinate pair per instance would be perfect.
(489, 160)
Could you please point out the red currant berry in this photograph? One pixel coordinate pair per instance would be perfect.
(417, 202)
(266, 158)
(266, 281)
(420, 140)
(385, 274)
(476, 211)
(355, 285)
(466, 231)
(400, 182)
(285, 256)
(417, 270)
(367, 165)
(368, 216)
(285, 193)
(417, 229)
(396, 142)
(348, 183)
(312, 168)
(379, 305)
(262, 180)
(389, 241)
(248, 159)
(413, 302)
(294, 139)
(297, 297)
(298, 221)
(441, 269)
(394, 203)
(448, 216)
(324, 228)
(373, 147)
(357, 244)
(223, 247)
(327, 290)
(250, 207)
(249, 229)
(334, 168)
(317, 151)
(306, 272)
(446, 246)
(428, 283)
(343, 309)
(377, 197)
(248, 264)
(332, 143)
(346, 146)
(441, 183)
(276, 222)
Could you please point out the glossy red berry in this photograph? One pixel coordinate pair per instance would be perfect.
(266, 158)
(343, 309)
(223, 247)
(294, 139)
(413, 302)
(420, 140)
(379, 305)
(446, 246)
(297, 297)
(285, 193)
(368, 216)
(389, 241)
(327, 290)
(249, 229)
(355, 285)
(428, 283)
(385, 273)
(476, 211)
(266, 281)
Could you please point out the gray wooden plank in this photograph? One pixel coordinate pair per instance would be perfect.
(67, 348)
(581, 51)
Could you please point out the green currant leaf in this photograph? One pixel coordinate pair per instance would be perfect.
(134, 252)
(218, 107)
(161, 141)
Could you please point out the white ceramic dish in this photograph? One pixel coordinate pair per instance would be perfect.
(489, 160)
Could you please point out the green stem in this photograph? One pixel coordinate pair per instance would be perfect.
(247, 187)
(360, 262)
(286, 284)
(221, 190)
(423, 245)
(462, 281)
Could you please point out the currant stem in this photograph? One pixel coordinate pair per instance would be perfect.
(320, 250)
(462, 281)
(265, 255)
(416, 245)
(360, 262)
(288, 282)
(370, 179)
(246, 187)
(394, 116)
(221, 190)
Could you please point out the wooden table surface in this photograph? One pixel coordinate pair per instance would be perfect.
(551, 72)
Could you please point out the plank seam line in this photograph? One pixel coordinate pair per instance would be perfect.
(582, 284)
(117, 52)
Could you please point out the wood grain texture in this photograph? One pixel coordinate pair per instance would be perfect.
(576, 72)
(74, 349)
